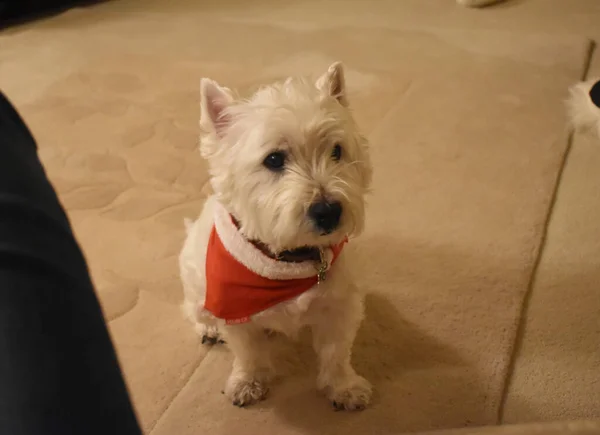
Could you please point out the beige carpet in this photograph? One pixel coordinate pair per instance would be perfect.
(468, 141)
(558, 370)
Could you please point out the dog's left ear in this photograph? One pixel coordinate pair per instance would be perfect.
(333, 83)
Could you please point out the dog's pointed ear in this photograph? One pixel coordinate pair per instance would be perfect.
(333, 83)
(214, 99)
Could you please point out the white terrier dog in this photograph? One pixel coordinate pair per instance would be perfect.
(290, 170)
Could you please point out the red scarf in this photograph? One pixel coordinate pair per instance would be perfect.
(235, 293)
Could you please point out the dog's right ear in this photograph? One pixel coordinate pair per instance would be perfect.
(333, 83)
(214, 100)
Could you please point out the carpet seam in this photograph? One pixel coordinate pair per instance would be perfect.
(176, 395)
(110, 319)
(517, 341)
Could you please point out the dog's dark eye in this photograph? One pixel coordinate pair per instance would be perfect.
(336, 154)
(275, 161)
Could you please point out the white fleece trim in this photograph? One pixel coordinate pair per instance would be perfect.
(251, 257)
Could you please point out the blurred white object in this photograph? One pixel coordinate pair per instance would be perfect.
(584, 105)
(477, 3)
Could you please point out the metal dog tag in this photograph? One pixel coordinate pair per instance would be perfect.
(321, 267)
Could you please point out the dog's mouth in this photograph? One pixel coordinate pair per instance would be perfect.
(296, 255)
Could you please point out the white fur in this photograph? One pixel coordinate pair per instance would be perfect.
(305, 119)
(583, 113)
(251, 257)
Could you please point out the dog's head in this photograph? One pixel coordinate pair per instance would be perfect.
(289, 162)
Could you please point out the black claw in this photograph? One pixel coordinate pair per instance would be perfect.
(220, 341)
(238, 404)
(207, 339)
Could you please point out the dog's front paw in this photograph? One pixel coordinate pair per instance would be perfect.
(210, 334)
(245, 392)
(352, 395)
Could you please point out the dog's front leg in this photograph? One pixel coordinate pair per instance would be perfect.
(333, 337)
(252, 367)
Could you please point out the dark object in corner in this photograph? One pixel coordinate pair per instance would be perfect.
(595, 94)
(59, 372)
(18, 11)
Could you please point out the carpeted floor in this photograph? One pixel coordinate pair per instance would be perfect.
(559, 351)
(469, 141)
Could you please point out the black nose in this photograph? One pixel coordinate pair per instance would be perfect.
(595, 93)
(326, 215)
